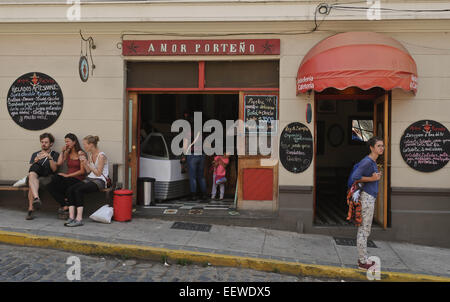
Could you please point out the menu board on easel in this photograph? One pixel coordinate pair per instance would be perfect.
(296, 147)
(35, 101)
(425, 146)
(260, 108)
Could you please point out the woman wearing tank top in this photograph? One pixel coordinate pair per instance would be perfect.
(75, 173)
(96, 164)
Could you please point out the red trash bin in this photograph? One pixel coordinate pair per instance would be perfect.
(123, 205)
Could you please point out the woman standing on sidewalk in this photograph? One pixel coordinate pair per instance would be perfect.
(75, 174)
(367, 173)
(97, 166)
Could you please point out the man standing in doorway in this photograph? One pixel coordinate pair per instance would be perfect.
(195, 158)
(43, 163)
(367, 174)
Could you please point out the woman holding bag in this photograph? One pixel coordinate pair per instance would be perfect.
(96, 164)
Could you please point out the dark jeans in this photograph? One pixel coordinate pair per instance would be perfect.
(59, 187)
(196, 165)
(77, 191)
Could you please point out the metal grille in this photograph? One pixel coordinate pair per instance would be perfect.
(191, 226)
(352, 242)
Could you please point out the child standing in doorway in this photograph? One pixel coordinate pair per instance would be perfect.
(220, 163)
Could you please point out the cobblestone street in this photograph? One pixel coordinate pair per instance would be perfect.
(36, 264)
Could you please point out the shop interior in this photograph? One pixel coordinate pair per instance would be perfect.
(157, 112)
(343, 127)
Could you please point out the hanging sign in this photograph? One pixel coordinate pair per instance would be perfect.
(200, 47)
(83, 68)
(296, 147)
(35, 101)
(425, 146)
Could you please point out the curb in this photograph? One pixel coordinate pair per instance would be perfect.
(152, 253)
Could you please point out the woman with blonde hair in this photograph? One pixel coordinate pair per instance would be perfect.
(96, 164)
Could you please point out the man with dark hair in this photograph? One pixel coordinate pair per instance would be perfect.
(367, 173)
(43, 163)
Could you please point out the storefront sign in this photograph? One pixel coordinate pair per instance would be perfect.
(260, 108)
(296, 147)
(200, 47)
(35, 101)
(425, 146)
(83, 68)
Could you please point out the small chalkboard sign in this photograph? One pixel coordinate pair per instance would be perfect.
(296, 147)
(260, 108)
(425, 146)
(35, 101)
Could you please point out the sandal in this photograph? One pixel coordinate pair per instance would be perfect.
(37, 203)
(29, 216)
(68, 221)
(75, 223)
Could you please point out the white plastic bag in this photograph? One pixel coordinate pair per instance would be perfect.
(21, 182)
(104, 214)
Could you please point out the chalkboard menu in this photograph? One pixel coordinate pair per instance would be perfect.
(260, 108)
(425, 146)
(296, 147)
(35, 101)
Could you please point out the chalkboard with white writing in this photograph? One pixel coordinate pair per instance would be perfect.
(425, 146)
(35, 101)
(259, 108)
(296, 147)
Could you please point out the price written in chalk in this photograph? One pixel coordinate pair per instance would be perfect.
(35, 101)
(425, 146)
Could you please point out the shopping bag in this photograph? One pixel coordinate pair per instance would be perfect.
(104, 214)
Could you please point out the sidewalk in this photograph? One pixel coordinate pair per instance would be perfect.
(257, 248)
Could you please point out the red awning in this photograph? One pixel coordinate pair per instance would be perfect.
(361, 59)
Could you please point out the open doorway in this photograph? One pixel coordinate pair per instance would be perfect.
(345, 122)
(157, 112)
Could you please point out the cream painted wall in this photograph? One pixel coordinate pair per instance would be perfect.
(94, 107)
(97, 107)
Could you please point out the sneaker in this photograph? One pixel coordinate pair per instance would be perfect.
(37, 203)
(365, 266)
(29, 216)
(75, 223)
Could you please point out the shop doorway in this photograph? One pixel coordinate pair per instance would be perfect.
(156, 114)
(345, 120)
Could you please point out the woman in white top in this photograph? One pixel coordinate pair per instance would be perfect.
(97, 166)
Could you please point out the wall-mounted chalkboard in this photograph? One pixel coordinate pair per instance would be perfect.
(296, 147)
(35, 101)
(425, 146)
(260, 108)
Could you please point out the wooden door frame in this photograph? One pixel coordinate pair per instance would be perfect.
(254, 161)
(387, 134)
(386, 100)
(132, 157)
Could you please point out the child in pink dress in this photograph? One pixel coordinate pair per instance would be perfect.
(220, 163)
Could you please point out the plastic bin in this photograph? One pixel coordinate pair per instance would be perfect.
(123, 205)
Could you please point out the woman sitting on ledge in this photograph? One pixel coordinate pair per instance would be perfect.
(97, 167)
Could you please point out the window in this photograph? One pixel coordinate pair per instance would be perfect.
(361, 130)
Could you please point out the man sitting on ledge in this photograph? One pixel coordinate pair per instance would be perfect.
(43, 163)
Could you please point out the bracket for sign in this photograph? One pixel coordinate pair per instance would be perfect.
(88, 48)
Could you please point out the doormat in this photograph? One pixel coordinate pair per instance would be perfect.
(195, 212)
(170, 211)
(191, 226)
(352, 242)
